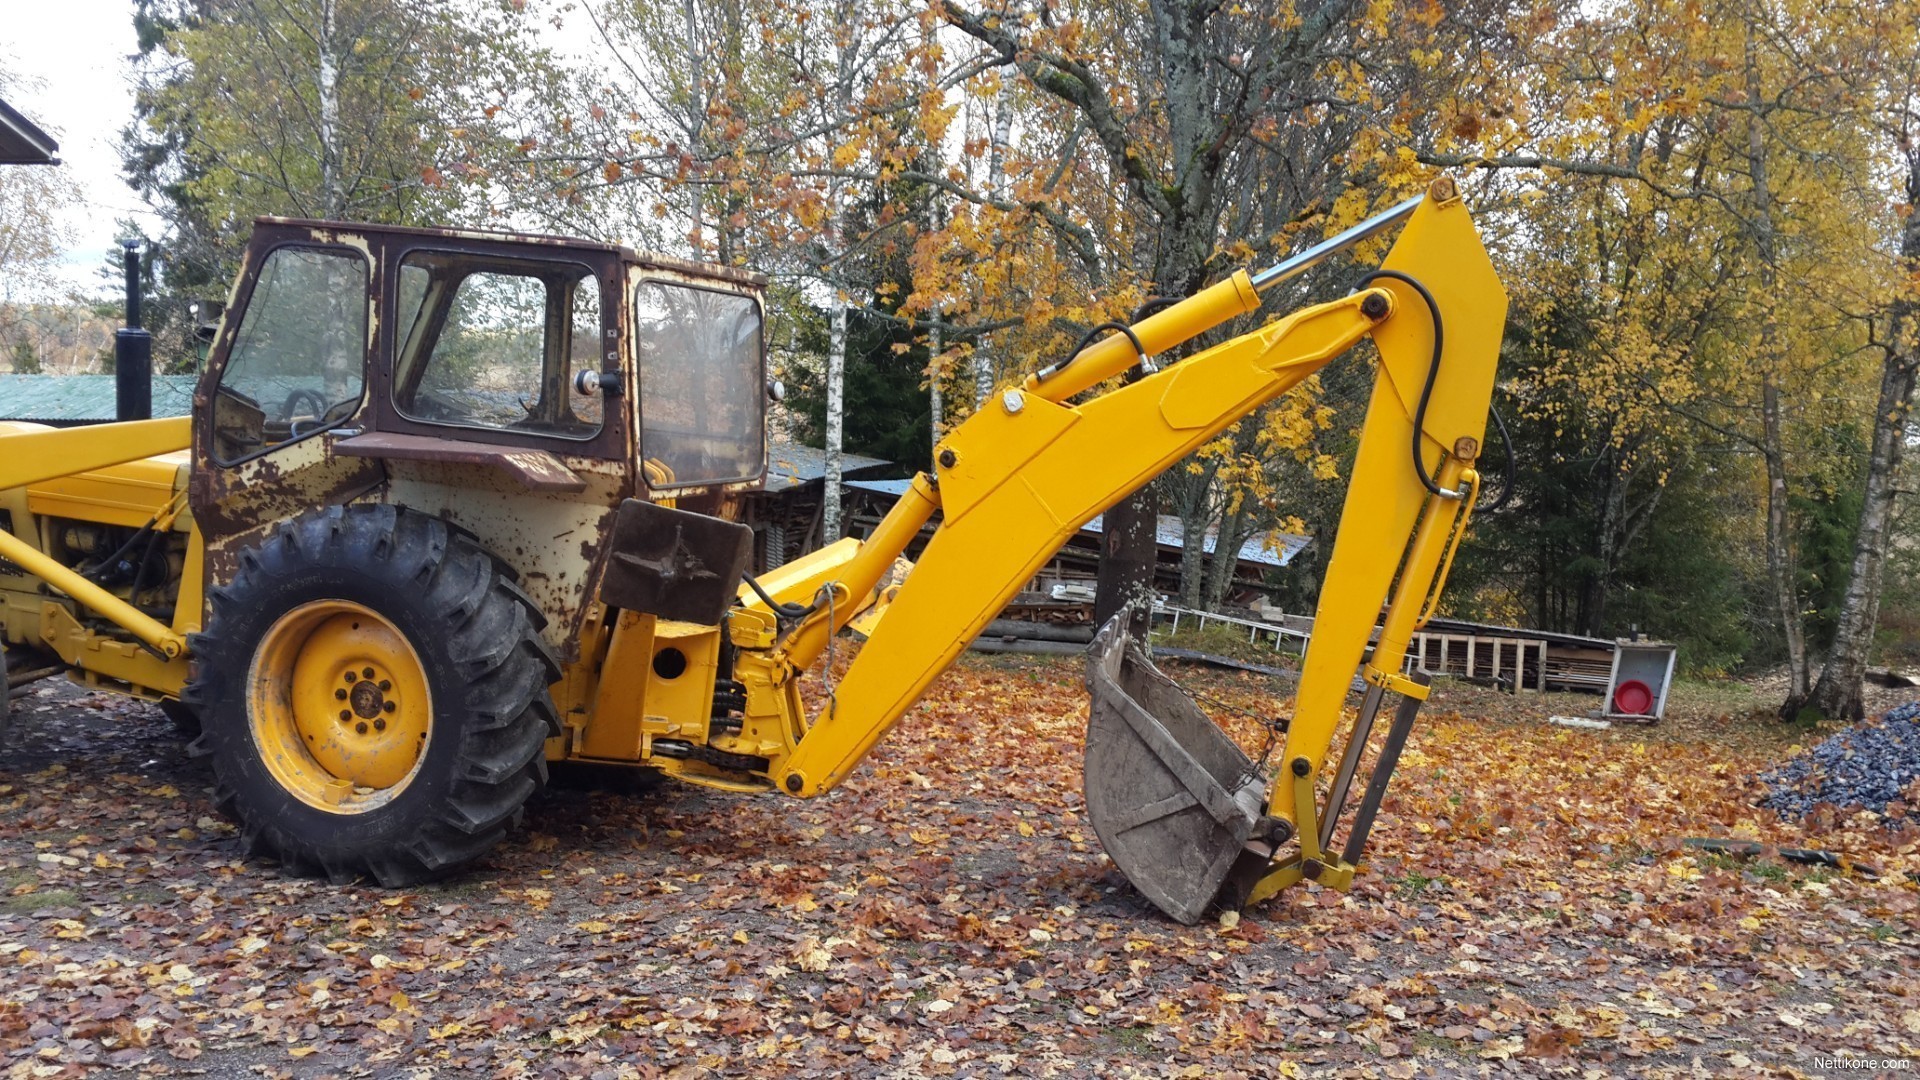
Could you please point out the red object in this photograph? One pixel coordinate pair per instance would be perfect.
(1633, 698)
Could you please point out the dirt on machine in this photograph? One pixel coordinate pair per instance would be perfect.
(452, 505)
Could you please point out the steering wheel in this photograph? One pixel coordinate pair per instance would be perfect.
(335, 413)
(290, 407)
(430, 405)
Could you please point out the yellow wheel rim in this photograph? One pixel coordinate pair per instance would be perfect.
(340, 708)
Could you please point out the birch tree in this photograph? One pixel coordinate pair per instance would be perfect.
(338, 109)
(1891, 92)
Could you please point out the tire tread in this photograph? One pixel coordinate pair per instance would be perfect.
(492, 636)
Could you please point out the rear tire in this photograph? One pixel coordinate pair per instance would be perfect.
(458, 695)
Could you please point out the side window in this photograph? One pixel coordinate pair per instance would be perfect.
(584, 348)
(492, 344)
(298, 361)
(701, 403)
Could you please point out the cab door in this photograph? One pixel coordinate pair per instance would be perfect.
(287, 377)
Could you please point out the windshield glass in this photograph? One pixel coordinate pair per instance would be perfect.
(701, 399)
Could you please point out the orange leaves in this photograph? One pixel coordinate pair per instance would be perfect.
(1518, 903)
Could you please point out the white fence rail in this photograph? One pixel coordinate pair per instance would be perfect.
(1256, 631)
(1517, 662)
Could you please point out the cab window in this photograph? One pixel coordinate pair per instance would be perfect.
(493, 343)
(298, 360)
(701, 398)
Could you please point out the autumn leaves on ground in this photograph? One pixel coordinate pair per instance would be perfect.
(1528, 909)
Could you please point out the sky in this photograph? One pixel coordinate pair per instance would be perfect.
(78, 52)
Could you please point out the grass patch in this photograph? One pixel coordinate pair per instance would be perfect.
(1412, 885)
(1229, 641)
(1427, 1040)
(145, 894)
(28, 903)
(1712, 695)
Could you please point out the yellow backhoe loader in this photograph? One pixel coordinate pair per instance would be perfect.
(452, 505)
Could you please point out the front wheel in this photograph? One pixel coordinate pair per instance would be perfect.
(374, 696)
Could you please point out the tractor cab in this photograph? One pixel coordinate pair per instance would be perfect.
(497, 341)
(521, 387)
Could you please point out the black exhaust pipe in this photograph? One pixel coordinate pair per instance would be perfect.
(133, 352)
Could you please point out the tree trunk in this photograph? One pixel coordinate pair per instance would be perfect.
(936, 341)
(696, 128)
(1226, 556)
(1773, 448)
(1128, 553)
(935, 346)
(836, 389)
(1193, 561)
(1780, 570)
(1196, 514)
(997, 187)
(1589, 617)
(327, 89)
(1837, 694)
(1127, 556)
(837, 335)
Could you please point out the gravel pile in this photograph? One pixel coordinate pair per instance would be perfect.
(1864, 767)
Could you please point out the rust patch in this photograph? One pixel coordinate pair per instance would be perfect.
(537, 470)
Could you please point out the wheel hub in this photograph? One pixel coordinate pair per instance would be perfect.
(367, 699)
(340, 706)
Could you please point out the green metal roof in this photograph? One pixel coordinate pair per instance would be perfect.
(62, 400)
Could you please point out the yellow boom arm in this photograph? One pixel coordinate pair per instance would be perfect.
(1029, 469)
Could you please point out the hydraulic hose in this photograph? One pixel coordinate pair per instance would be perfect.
(785, 611)
(1433, 372)
(1087, 339)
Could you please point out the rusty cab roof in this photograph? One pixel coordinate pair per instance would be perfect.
(642, 259)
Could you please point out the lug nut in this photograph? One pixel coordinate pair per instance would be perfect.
(339, 695)
(379, 725)
(366, 673)
(385, 686)
(351, 676)
(388, 706)
(361, 727)
(346, 714)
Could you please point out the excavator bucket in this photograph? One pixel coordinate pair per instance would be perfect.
(1173, 800)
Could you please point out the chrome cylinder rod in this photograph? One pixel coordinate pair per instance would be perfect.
(1349, 763)
(1318, 253)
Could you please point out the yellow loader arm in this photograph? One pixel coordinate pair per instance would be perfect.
(38, 456)
(1024, 473)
